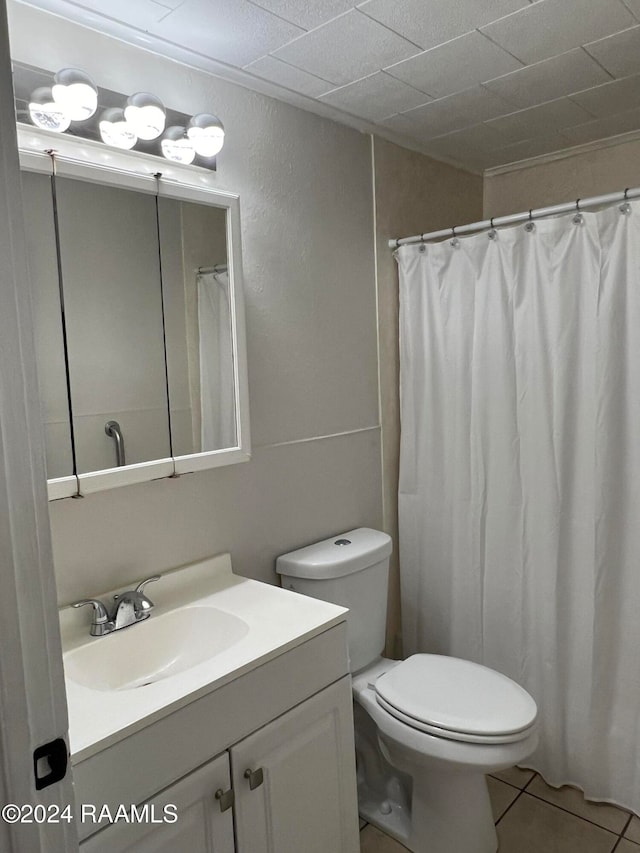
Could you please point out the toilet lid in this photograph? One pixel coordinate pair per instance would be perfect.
(456, 698)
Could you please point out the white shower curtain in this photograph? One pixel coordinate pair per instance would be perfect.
(217, 400)
(519, 495)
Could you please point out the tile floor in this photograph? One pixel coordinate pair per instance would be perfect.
(532, 817)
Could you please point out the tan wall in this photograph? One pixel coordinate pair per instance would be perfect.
(413, 194)
(594, 173)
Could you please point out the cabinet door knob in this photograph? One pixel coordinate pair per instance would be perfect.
(255, 777)
(225, 798)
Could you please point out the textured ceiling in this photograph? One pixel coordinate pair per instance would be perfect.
(481, 83)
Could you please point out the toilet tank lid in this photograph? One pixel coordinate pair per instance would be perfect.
(340, 555)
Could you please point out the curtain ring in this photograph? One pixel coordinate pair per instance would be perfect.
(578, 217)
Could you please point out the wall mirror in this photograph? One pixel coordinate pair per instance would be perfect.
(138, 316)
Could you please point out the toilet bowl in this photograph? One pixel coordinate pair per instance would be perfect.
(427, 729)
(432, 795)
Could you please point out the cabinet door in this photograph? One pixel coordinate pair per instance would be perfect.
(200, 826)
(302, 769)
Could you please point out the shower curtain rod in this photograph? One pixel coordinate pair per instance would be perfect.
(513, 218)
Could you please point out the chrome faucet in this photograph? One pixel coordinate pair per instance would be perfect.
(129, 607)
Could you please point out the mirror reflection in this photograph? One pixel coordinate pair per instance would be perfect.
(198, 323)
(113, 308)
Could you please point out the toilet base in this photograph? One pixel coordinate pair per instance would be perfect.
(450, 812)
(441, 813)
(384, 793)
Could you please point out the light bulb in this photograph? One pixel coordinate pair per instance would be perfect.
(206, 133)
(76, 93)
(116, 130)
(46, 113)
(177, 146)
(146, 115)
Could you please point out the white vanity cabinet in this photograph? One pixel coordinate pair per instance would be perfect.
(200, 825)
(302, 799)
(280, 737)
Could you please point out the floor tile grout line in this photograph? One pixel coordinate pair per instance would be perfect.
(517, 787)
(568, 811)
(626, 826)
(510, 784)
(515, 800)
(617, 844)
(517, 797)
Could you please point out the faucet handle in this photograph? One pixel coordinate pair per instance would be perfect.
(100, 615)
(143, 583)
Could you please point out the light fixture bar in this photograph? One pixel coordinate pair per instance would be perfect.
(68, 102)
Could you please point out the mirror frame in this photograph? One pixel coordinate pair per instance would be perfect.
(96, 163)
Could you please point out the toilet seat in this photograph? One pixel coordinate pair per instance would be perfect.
(456, 699)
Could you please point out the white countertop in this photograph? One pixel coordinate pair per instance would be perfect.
(278, 620)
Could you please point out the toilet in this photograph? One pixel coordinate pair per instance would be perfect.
(427, 729)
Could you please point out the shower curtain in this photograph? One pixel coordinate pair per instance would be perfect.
(217, 401)
(519, 494)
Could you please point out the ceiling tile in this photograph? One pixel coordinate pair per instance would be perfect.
(548, 80)
(402, 123)
(346, 49)
(624, 122)
(272, 69)
(456, 112)
(619, 54)
(232, 31)
(604, 128)
(540, 120)
(172, 4)
(549, 27)
(141, 14)
(633, 6)
(531, 148)
(482, 160)
(431, 23)
(455, 66)
(306, 15)
(463, 143)
(614, 97)
(375, 97)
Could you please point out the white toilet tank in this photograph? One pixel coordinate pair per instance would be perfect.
(352, 570)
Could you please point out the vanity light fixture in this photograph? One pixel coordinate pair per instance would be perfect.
(146, 115)
(70, 101)
(206, 132)
(177, 146)
(116, 130)
(46, 113)
(76, 93)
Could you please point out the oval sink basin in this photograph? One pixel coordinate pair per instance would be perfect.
(155, 649)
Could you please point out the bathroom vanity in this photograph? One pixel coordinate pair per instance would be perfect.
(257, 734)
